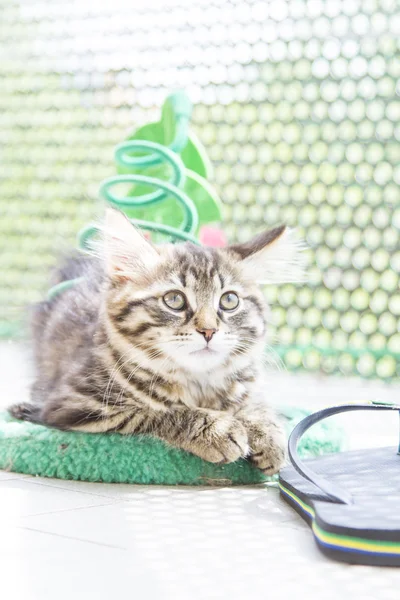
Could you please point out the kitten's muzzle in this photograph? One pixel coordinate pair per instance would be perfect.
(207, 333)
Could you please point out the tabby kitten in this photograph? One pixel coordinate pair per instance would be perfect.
(166, 341)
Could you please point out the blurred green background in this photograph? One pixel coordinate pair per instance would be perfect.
(297, 103)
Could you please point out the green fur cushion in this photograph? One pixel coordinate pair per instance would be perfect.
(114, 458)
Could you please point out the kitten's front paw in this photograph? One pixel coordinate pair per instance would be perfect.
(268, 448)
(222, 440)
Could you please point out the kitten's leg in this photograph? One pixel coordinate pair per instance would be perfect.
(214, 436)
(267, 439)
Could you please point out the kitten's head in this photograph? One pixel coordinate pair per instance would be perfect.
(192, 307)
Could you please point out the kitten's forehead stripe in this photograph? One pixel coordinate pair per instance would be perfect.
(179, 278)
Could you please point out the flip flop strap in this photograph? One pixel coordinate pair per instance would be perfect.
(334, 491)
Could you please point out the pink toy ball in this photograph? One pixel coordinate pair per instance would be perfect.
(208, 236)
(212, 236)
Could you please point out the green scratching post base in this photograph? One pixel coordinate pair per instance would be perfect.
(112, 458)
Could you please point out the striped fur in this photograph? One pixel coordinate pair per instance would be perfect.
(112, 357)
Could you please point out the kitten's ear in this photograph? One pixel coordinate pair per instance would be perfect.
(274, 256)
(127, 252)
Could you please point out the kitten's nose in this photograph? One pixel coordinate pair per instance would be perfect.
(208, 333)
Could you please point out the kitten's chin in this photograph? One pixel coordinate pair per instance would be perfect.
(201, 360)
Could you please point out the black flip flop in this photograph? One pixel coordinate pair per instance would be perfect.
(351, 499)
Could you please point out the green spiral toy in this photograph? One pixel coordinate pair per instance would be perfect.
(167, 158)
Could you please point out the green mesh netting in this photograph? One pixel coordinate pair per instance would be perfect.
(297, 105)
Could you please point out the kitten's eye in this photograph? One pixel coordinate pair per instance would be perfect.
(175, 300)
(229, 301)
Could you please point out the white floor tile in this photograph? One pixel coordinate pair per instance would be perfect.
(116, 491)
(5, 475)
(40, 566)
(21, 498)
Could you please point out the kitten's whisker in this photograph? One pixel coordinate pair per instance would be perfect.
(151, 356)
(156, 375)
(269, 357)
(117, 369)
(112, 378)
